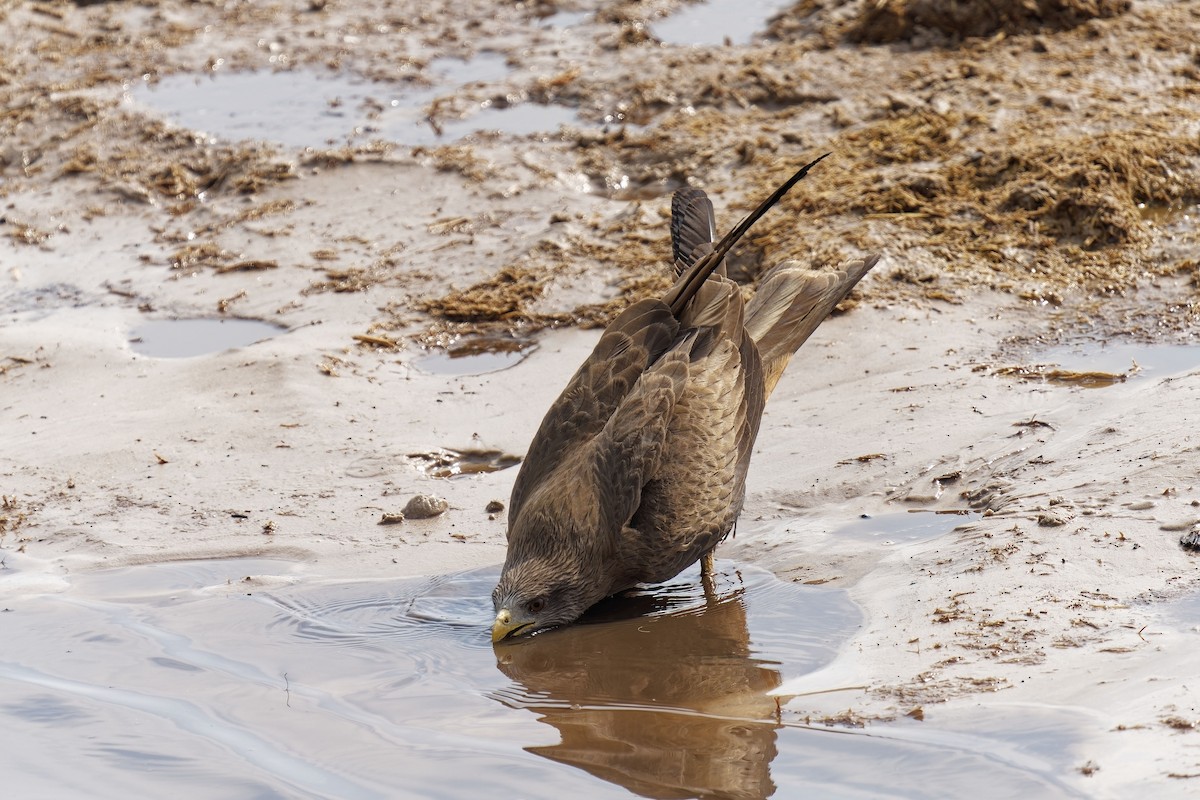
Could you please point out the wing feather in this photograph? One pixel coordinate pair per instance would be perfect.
(635, 340)
(629, 451)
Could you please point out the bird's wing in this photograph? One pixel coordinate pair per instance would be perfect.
(693, 227)
(630, 448)
(632, 342)
(696, 493)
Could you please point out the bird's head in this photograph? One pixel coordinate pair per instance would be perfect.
(558, 562)
(539, 593)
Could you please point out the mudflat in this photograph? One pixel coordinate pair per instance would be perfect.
(391, 233)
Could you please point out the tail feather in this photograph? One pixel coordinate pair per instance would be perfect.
(790, 303)
(685, 288)
(693, 227)
(714, 306)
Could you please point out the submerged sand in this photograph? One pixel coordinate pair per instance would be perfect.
(1029, 187)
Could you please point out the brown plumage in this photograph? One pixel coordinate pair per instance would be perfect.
(639, 467)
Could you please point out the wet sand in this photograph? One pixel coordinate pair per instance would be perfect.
(1019, 376)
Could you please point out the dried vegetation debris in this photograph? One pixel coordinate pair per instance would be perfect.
(195, 256)
(1009, 162)
(14, 514)
(899, 20)
(166, 163)
(463, 159)
(62, 116)
(967, 171)
(936, 21)
(1029, 188)
(1044, 210)
(139, 158)
(631, 247)
(1041, 209)
(504, 296)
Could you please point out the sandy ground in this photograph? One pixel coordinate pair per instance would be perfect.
(931, 393)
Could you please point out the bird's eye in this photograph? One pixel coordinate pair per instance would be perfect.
(536, 605)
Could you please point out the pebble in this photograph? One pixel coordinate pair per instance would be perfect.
(424, 506)
(1052, 519)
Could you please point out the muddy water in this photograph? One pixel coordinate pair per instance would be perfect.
(868, 531)
(242, 678)
(1091, 364)
(453, 463)
(1185, 613)
(1170, 215)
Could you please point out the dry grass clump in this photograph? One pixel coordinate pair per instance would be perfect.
(898, 20)
(632, 249)
(1084, 190)
(177, 165)
(504, 296)
(1034, 203)
(1035, 208)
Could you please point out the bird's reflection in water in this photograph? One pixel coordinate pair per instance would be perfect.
(654, 693)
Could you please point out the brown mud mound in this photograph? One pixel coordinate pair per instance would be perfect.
(898, 20)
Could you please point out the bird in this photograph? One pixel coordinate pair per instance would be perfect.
(638, 469)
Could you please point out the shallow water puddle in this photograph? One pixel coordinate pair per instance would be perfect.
(216, 679)
(521, 119)
(295, 108)
(1124, 358)
(903, 527)
(712, 22)
(1166, 215)
(1096, 365)
(1184, 612)
(186, 338)
(300, 108)
(476, 357)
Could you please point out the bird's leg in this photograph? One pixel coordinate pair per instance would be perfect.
(708, 576)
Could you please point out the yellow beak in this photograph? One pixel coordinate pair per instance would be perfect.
(506, 626)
